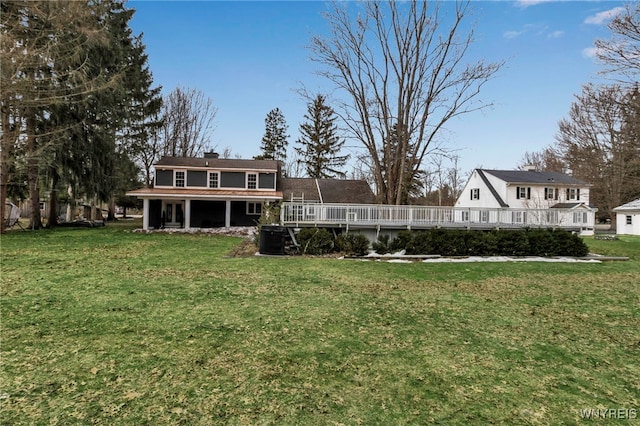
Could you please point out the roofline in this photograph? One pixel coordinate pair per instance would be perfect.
(492, 189)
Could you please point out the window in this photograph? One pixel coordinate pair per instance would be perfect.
(523, 192)
(254, 208)
(465, 216)
(552, 217)
(484, 216)
(518, 217)
(252, 181)
(214, 180)
(580, 217)
(629, 220)
(475, 194)
(573, 194)
(550, 193)
(180, 179)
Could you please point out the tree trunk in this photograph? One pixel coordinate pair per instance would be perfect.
(53, 199)
(35, 220)
(7, 145)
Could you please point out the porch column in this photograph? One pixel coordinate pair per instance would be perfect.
(187, 214)
(227, 214)
(145, 213)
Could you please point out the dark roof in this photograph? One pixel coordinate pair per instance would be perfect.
(331, 190)
(523, 176)
(492, 189)
(218, 163)
(298, 188)
(346, 191)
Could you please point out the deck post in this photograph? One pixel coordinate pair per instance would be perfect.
(145, 213)
(227, 214)
(187, 213)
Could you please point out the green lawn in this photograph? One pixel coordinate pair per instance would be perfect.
(108, 326)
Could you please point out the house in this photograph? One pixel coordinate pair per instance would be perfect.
(628, 218)
(529, 192)
(208, 192)
(212, 192)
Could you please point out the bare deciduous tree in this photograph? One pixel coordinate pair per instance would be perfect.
(546, 160)
(621, 53)
(188, 121)
(595, 145)
(402, 67)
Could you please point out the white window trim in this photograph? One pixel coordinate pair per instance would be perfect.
(175, 178)
(255, 204)
(209, 175)
(249, 174)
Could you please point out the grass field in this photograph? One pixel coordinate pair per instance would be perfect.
(107, 326)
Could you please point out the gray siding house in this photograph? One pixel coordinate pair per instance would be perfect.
(210, 192)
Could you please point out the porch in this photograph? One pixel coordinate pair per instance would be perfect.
(390, 217)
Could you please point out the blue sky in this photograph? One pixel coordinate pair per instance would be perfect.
(250, 57)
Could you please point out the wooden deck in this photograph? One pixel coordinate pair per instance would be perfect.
(376, 216)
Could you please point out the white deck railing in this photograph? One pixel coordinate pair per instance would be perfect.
(374, 215)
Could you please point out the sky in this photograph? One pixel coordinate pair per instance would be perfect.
(250, 57)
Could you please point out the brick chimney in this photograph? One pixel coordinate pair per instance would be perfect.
(213, 155)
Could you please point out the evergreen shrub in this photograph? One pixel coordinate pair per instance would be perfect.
(526, 242)
(315, 241)
(353, 244)
(382, 245)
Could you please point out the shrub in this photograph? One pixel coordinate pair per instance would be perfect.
(401, 241)
(315, 241)
(382, 245)
(353, 244)
(512, 243)
(528, 242)
(481, 243)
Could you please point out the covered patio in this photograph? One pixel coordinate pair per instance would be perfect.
(180, 208)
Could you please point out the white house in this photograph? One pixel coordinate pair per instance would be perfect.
(527, 193)
(628, 218)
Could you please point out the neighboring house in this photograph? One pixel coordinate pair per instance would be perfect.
(628, 218)
(213, 192)
(529, 191)
(523, 189)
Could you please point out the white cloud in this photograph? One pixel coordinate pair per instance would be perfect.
(590, 52)
(602, 17)
(556, 34)
(537, 30)
(513, 34)
(527, 3)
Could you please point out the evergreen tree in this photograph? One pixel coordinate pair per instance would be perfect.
(68, 97)
(274, 141)
(320, 143)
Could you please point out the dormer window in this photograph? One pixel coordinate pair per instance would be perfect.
(252, 181)
(214, 180)
(179, 179)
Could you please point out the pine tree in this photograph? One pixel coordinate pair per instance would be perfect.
(274, 141)
(320, 143)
